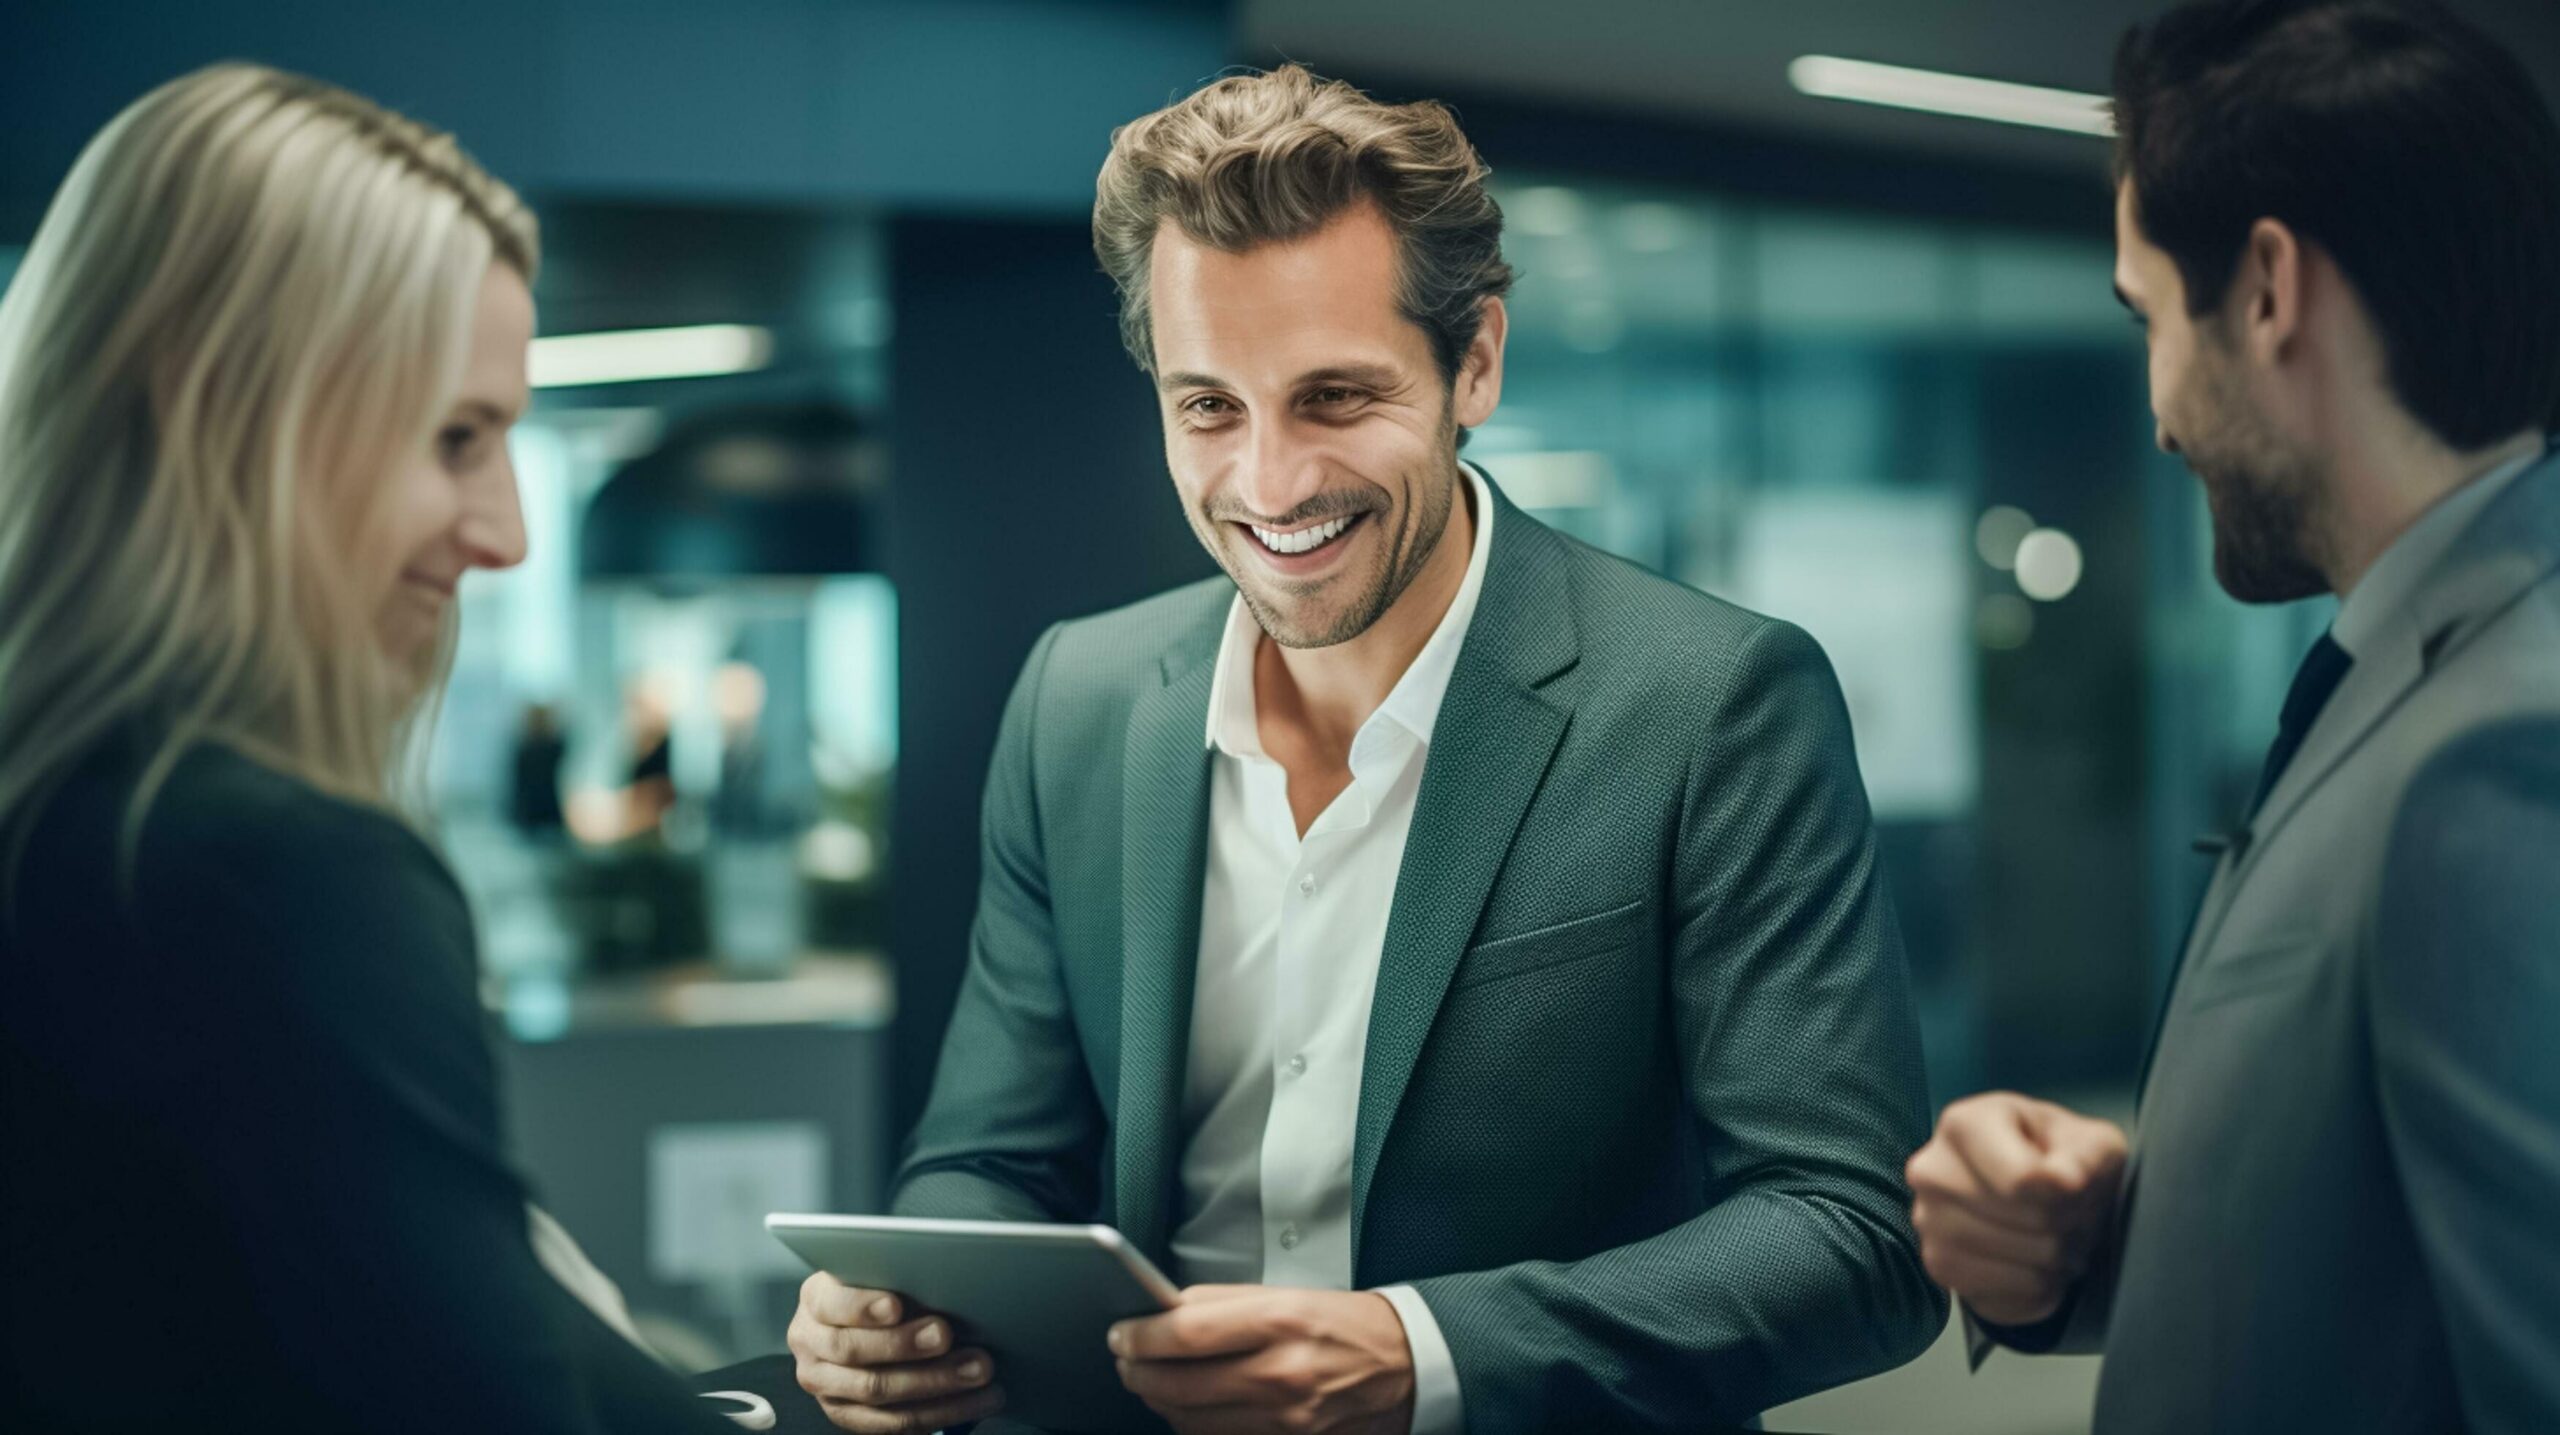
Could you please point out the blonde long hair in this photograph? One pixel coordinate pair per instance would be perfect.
(251, 298)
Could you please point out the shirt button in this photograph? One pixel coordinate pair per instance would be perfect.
(1298, 1065)
(1307, 885)
(1288, 1238)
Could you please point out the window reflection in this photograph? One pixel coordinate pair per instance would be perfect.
(1851, 421)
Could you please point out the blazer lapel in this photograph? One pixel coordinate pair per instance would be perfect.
(1163, 848)
(2508, 549)
(1489, 750)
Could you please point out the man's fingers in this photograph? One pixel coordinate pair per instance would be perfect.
(2096, 1148)
(833, 1302)
(1951, 1227)
(1192, 1293)
(2082, 1151)
(1937, 1175)
(1198, 1329)
(891, 1385)
(913, 1419)
(928, 1338)
(1992, 1135)
(2031, 1164)
(1936, 1170)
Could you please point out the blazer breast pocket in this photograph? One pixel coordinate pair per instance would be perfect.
(1554, 945)
(2268, 963)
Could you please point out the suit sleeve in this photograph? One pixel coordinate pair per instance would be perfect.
(1801, 1058)
(346, 1123)
(2464, 1001)
(1013, 1130)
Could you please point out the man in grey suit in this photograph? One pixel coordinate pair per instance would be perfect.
(2340, 222)
(1457, 952)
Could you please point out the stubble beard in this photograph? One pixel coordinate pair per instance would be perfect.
(1408, 552)
(2266, 497)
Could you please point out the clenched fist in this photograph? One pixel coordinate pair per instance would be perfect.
(2011, 1198)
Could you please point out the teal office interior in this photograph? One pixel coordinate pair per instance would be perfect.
(1859, 368)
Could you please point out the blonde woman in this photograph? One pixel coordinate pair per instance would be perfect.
(256, 374)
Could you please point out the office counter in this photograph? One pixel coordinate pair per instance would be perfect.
(662, 1114)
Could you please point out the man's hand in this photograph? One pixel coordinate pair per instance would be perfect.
(2010, 1198)
(879, 1367)
(1236, 1360)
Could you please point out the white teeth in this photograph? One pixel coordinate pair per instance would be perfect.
(1305, 540)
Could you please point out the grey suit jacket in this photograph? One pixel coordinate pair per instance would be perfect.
(2343, 1209)
(1642, 1066)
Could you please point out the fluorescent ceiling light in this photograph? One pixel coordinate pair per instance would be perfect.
(1831, 78)
(630, 355)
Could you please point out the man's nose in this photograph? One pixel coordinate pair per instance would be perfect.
(1278, 472)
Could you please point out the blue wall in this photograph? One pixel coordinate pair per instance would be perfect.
(979, 105)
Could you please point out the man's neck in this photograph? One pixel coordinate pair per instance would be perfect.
(1330, 692)
(2382, 489)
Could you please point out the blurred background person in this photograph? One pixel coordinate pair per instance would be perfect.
(541, 750)
(255, 384)
(649, 786)
(737, 698)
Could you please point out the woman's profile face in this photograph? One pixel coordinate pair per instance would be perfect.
(453, 507)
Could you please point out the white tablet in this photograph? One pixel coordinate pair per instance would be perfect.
(1040, 1299)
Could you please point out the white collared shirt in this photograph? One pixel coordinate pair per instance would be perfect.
(2388, 584)
(1291, 932)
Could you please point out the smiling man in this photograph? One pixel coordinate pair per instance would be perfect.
(1458, 953)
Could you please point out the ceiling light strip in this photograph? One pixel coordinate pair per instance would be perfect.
(634, 355)
(1866, 82)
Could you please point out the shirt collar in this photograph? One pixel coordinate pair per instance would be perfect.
(2395, 577)
(1412, 704)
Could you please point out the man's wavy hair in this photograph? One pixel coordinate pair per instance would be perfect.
(1263, 158)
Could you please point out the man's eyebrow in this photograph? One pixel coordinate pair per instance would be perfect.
(1367, 376)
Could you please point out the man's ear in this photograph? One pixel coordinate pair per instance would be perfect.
(2268, 291)
(1478, 390)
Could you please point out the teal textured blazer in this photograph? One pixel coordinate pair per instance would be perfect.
(1642, 1065)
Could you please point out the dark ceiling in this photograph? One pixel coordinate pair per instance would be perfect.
(1724, 61)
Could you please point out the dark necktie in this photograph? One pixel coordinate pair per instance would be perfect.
(2323, 668)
